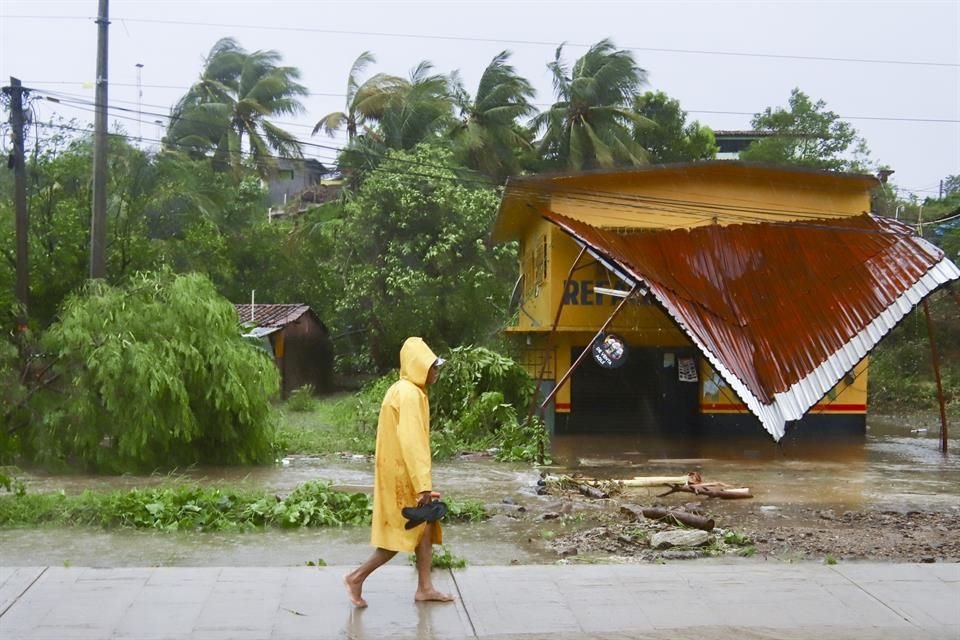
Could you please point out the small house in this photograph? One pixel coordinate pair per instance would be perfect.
(299, 340)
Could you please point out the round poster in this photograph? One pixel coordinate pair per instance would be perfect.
(610, 351)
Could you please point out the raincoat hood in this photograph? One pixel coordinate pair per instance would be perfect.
(416, 358)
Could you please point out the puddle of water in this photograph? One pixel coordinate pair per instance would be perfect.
(891, 469)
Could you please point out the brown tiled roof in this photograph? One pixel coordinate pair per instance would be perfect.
(781, 310)
(271, 315)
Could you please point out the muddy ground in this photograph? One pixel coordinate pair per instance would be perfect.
(605, 532)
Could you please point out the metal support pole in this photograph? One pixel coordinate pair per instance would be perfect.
(580, 358)
(936, 374)
(98, 218)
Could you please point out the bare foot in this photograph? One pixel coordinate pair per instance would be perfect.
(432, 595)
(354, 590)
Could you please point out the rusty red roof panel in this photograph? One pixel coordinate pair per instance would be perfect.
(270, 315)
(781, 310)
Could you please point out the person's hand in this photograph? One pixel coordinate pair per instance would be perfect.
(425, 497)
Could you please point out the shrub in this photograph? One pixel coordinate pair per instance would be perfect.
(155, 374)
(302, 400)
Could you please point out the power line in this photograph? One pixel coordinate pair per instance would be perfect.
(421, 36)
(38, 83)
(697, 212)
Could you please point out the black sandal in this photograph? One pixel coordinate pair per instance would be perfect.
(430, 512)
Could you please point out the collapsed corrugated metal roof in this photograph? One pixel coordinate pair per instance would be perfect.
(781, 310)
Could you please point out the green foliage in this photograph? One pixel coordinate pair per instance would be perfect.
(736, 538)
(590, 124)
(901, 375)
(416, 259)
(488, 137)
(475, 403)
(183, 507)
(809, 135)
(235, 95)
(189, 508)
(829, 560)
(302, 400)
(155, 375)
(442, 558)
(319, 562)
(464, 510)
(671, 138)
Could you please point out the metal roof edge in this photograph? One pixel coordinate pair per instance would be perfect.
(805, 393)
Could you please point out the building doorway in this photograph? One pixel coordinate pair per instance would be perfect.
(647, 395)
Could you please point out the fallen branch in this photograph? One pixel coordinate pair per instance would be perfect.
(676, 516)
(593, 492)
(711, 490)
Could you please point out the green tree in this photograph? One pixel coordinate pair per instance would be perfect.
(234, 98)
(488, 137)
(591, 123)
(157, 376)
(807, 134)
(365, 102)
(416, 259)
(418, 109)
(672, 138)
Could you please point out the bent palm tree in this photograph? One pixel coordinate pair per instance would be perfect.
(232, 100)
(488, 136)
(416, 109)
(365, 102)
(590, 124)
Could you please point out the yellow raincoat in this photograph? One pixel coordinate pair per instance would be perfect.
(403, 465)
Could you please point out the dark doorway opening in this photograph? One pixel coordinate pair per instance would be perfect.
(645, 396)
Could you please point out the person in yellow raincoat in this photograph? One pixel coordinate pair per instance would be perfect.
(402, 475)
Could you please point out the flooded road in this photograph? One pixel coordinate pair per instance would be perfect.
(896, 468)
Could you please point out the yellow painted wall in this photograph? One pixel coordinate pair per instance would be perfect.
(848, 396)
(670, 201)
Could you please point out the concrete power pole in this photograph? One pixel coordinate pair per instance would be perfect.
(98, 219)
(16, 91)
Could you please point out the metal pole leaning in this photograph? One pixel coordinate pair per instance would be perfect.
(936, 374)
(580, 358)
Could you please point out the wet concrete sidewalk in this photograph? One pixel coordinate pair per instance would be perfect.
(696, 600)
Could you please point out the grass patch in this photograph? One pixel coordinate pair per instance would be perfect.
(330, 425)
(443, 558)
(195, 508)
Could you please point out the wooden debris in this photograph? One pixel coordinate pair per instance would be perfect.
(593, 492)
(711, 490)
(677, 516)
(654, 481)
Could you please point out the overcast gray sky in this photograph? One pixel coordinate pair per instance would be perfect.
(684, 46)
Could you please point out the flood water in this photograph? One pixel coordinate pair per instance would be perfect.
(896, 467)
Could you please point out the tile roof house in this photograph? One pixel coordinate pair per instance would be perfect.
(299, 340)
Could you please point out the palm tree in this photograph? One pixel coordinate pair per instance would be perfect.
(590, 124)
(236, 93)
(488, 137)
(365, 102)
(416, 109)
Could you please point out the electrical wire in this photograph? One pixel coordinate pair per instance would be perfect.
(422, 36)
(609, 201)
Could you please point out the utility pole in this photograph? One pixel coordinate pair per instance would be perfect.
(16, 91)
(98, 219)
(139, 105)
